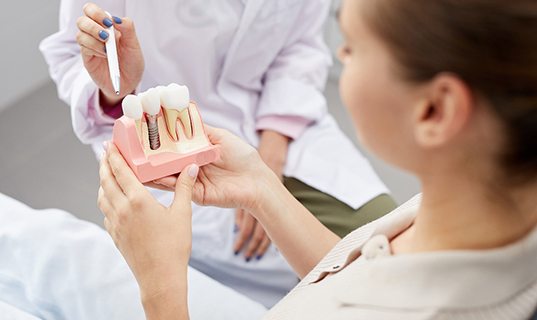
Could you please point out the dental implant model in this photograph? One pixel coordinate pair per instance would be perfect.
(151, 105)
(161, 133)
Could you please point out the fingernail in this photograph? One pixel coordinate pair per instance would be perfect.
(107, 22)
(235, 229)
(117, 20)
(237, 252)
(103, 34)
(193, 171)
(248, 259)
(259, 257)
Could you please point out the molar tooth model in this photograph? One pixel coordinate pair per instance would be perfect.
(153, 152)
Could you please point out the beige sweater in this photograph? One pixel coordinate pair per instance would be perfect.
(360, 279)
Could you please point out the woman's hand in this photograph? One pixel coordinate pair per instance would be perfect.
(155, 240)
(239, 179)
(251, 236)
(92, 37)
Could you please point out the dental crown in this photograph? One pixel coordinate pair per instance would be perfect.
(132, 107)
(151, 101)
(175, 97)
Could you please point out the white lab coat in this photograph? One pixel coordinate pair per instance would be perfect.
(269, 60)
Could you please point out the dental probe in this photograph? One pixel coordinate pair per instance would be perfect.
(111, 55)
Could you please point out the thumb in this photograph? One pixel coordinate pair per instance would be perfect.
(184, 185)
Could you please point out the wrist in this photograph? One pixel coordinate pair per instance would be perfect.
(167, 302)
(270, 190)
(159, 284)
(107, 100)
(273, 148)
(273, 137)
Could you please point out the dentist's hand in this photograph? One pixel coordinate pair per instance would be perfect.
(92, 36)
(155, 240)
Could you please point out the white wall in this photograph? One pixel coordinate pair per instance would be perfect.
(24, 24)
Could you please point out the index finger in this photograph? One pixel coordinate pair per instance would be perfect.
(125, 178)
(95, 13)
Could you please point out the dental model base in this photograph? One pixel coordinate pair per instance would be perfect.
(161, 133)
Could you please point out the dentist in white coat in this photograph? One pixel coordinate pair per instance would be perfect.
(257, 68)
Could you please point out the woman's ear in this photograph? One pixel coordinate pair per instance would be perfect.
(444, 112)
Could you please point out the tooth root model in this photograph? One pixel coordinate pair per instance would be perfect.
(175, 99)
(151, 106)
(149, 150)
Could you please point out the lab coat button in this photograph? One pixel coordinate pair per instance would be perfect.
(377, 246)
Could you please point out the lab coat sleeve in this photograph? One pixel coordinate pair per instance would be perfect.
(295, 80)
(74, 84)
(290, 126)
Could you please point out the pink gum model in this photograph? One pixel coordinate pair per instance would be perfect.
(172, 156)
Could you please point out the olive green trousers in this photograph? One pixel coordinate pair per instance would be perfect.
(334, 214)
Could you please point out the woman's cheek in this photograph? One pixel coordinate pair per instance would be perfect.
(345, 89)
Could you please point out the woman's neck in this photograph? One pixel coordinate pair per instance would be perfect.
(459, 213)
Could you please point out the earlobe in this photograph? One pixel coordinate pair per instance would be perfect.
(443, 115)
(425, 124)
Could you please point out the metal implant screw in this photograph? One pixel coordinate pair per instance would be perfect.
(152, 128)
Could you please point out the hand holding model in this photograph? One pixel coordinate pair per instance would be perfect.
(92, 36)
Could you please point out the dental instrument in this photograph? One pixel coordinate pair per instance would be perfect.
(113, 61)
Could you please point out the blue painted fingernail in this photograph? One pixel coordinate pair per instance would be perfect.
(103, 34)
(107, 22)
(117, 20)
(259, 257)
(248, 259)
(237, 252)
(235, 229)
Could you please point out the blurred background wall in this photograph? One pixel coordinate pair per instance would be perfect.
(41, 161)
(24, 24)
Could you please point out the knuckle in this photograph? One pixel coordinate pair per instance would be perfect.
(100, 202)
(250, 250)
(105, 183)
(114, 169)
(135, 199)
(185, 184)
(122, 216)
(123, 212)
(243, 236)
(247, 230)
(79, 21)
(258, 237)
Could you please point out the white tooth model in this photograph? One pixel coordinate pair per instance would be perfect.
(153, 153)
(132, 108)
(176, 99)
